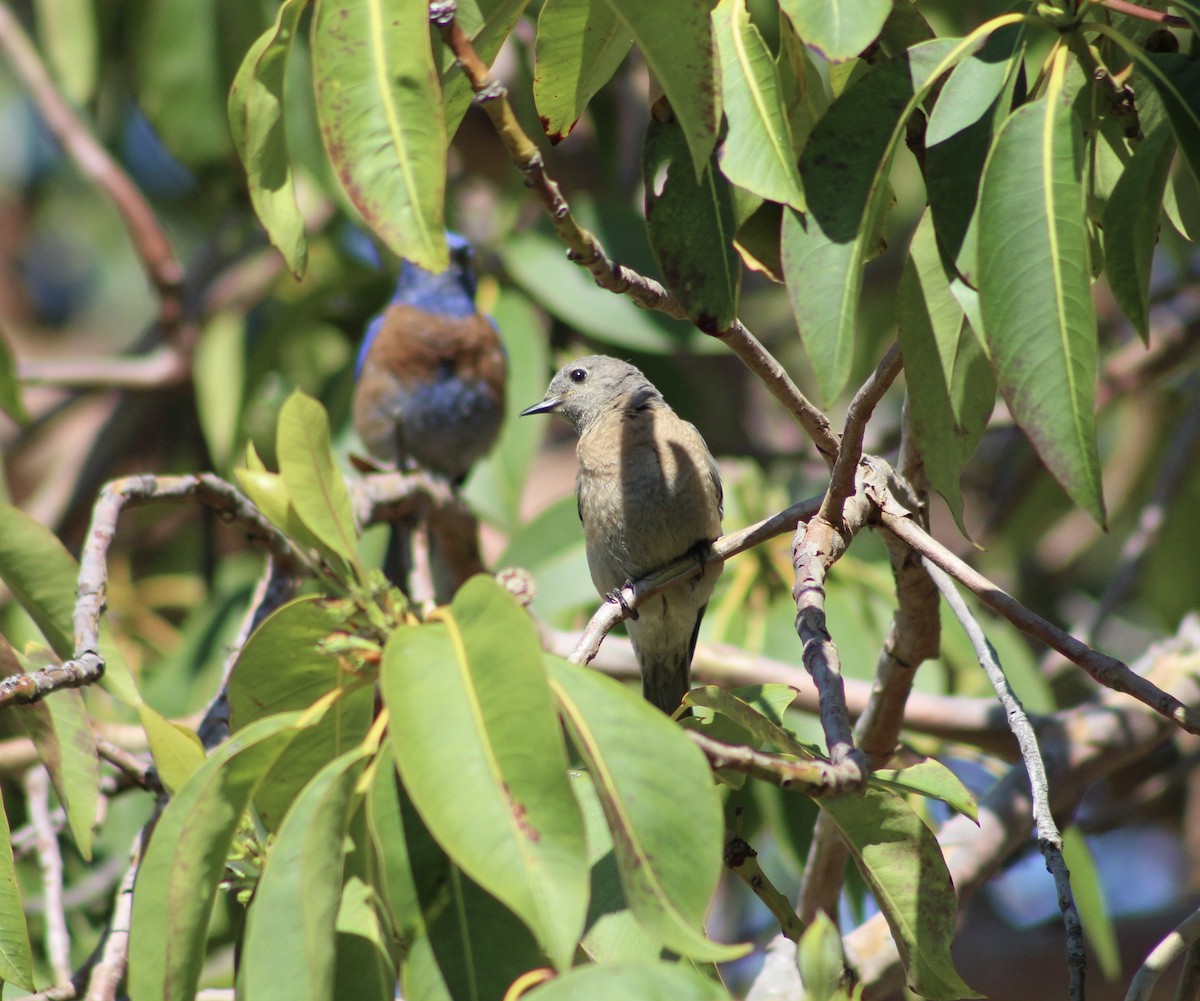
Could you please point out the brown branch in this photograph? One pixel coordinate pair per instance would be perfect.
(742, 860)
(810, 777)
(1107, 671)
(841, 482)
(612, 612)
(1145, 13)
(585, 249)
(87, 666)
(148, 237)
(137, 770)
(161, 367)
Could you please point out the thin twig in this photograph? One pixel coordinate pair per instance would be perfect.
(841, 482)
(160, 367)
(58, 937)
(1049, 837)
(1107, 671)
(134, 768)
(812, 777)
(109, 970)
(585, 249)
(741, 859)
(149, 239)
(1185, 935)
(1145, 13)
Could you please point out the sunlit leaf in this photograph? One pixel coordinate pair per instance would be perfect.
(257, 122)
(1035, 288)
(580, 44)
(837, 29)
(380, 109)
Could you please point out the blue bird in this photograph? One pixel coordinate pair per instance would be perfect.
(430, 387)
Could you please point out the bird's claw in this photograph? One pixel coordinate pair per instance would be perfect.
(618, 598)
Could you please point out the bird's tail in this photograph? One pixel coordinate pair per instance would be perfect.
(667, 670)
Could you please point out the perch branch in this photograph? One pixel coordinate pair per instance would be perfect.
(1107, 671)
(1180, 941)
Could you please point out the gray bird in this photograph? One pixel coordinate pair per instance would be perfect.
(649, 494)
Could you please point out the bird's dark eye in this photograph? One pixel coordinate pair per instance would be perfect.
(578, 374)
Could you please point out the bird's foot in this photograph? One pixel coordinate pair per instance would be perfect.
(617, 597)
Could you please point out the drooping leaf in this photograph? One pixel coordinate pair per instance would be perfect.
(289, 948)
(473, 722)
(66, 31)
(61, 732)
(1176, 78)
(16, 956)
(677, 43)
(10, 392)
(180, 89)
(951, 389)
(1035, 288)
(644, 981)
(379, 105)
(580, 44)
(1088, 890)
(668, 870)
(177, 879)
(757, 152)
(257, 122)
(837, 29)
(1131, 221)
(902, 864)
(315, 484)
(177, 752)
(691, 227)
(930, 778)
(42, 575)
(282, 668)
(821, 960)
(845, 167)
(496, 486)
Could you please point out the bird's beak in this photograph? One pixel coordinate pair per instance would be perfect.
(547, 406)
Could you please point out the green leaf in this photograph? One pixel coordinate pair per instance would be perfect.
(42, 576)
(379, 107)
(10, 390)
(676, 41)
(179, 79)
(761, 728)
(282, 668)
(623, 981)
(256, 120)
(66, 33)
(61, 732)
(1176, 78)
(1035, 288)
(668, 868)
(580, 44)
(951, 390)
(821, 960)
(496, 486)
(473, 722)
(845, 167)
(289, 949)
(757, 152)
(539, 265)
(177, 751)
(691, 226)
(930, 778)
(459, 941)
(1088, 890)
(218, 371)
(902, 864)
(16, 956)
(177, 880)
(613, 934)
(1131, 226)
(837, 29)
(314, 482)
